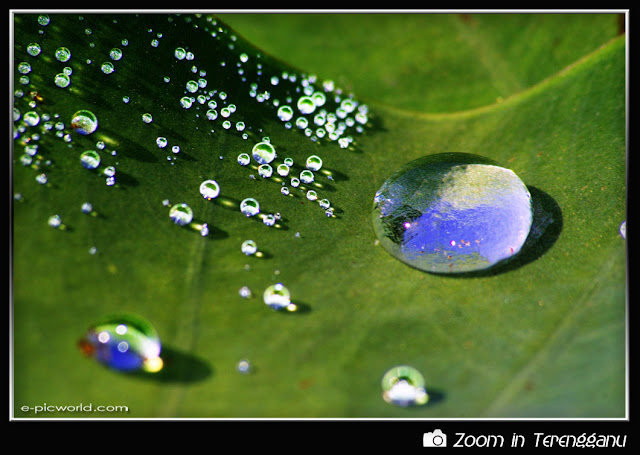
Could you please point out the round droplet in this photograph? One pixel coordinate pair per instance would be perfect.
(243, 159)
(249, 247)
(115, 54)
(277, 296)
(263, 152)
(63, 54)
(244, 367)
(209, 189)
(90, 159)
(84, 122)
(180, 53)
(62, 80)
(285, 113)
(306, 105)
(283, 170)
(181, 214)
(123, 342)
(34, 49)
(404, 386)
(107, 68)
(452, 212)
(314, 163)
(250, 206)
(265, 171)
(307, 176)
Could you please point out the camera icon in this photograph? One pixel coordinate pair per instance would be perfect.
(434, 439)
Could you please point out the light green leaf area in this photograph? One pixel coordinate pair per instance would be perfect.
(540, 336)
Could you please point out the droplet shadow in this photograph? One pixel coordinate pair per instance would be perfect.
(545, 230)
(178, 367)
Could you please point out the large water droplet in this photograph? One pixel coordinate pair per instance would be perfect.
(123, 342)
(404, 386)
(452, 212)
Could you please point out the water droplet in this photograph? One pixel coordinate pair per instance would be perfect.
(84, 122)
(404, 386)
(43, 19)
(283, 170)
(31, 118)
(265, 171)
(244, 366)
(147, 118)
(312, 195)
(623, 229)
(269, 219)
(249, 247)
(180, 53)
(90, 159)
(263, 152)
(306, 176)
(124, 343)
(209, 189)
(34, 49)
(54, 221)
(452, 212)
(314, 163)
(115, 54)
(62, 80)
(277, 296)
(285, 113)
(243, 159)
(24, 68)
(250, 206)
(245, 292)
(181, 214)
(306, 105)
(107, 68)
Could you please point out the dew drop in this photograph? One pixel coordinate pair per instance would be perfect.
(181, 214)
(107, 68)
(277, 296)
(90, 159)
(265, 171)
(263, 152)
(306, 176)
(404, 386)
(123, 342)
(209, 189)
(451, 213)
(306, 105)
(62, 80)
(250, 206)
(84, 122)
(285, 113)
(249, 247)
(314, 163)
(243, 159)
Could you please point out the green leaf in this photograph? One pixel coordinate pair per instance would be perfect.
(540, 336)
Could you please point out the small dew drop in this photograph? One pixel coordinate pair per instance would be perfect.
(249, 247)
(277, 296)
(404, 386)
(250, 207)
(209, 189)
(181, 214)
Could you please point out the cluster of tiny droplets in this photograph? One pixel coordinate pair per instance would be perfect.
(295, 101)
